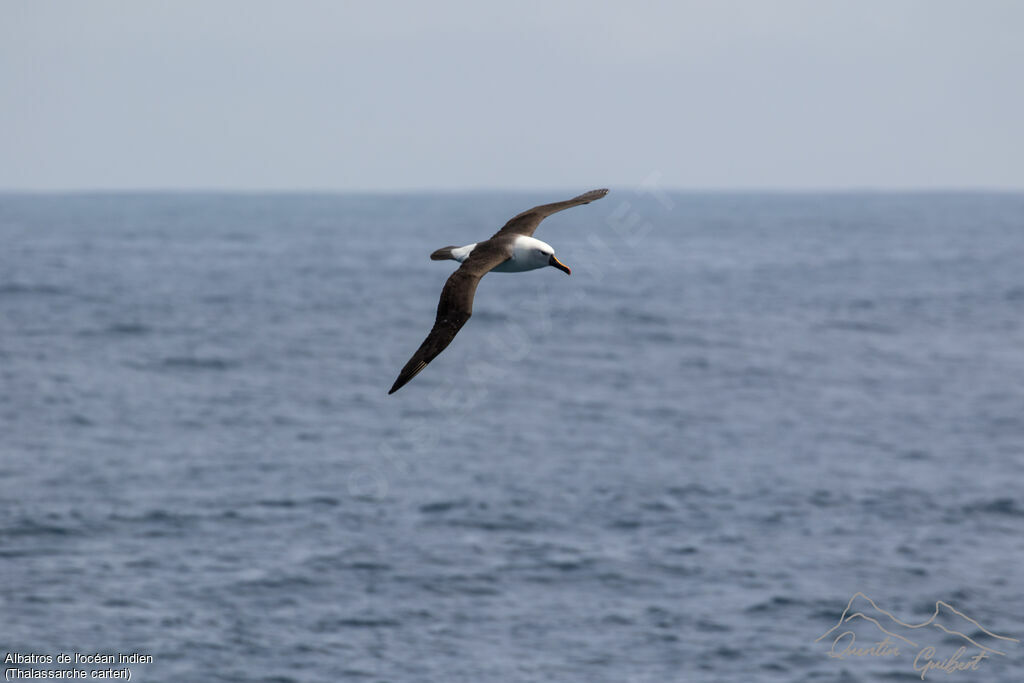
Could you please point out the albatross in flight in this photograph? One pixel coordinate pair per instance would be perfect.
(512, 249)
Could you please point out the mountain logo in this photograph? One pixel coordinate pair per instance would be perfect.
(891, 637)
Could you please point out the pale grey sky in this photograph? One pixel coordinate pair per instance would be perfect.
(335, 95)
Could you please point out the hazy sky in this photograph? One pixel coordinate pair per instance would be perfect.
(474, 94)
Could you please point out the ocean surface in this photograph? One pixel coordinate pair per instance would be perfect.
(679, 464)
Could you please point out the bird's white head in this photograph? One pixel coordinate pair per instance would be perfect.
(533, 253)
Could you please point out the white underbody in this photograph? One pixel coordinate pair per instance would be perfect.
(525, 255)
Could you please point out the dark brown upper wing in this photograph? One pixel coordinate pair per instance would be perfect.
(455, 306)
(526, 222)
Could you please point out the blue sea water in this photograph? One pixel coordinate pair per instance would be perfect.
(678, 464)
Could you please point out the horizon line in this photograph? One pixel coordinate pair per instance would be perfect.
(682, 190)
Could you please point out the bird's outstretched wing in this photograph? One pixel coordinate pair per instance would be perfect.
(454, 308)
(526, 222)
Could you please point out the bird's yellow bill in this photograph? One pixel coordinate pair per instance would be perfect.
(553, 261)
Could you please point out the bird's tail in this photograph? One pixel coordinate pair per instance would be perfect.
(443, 254)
